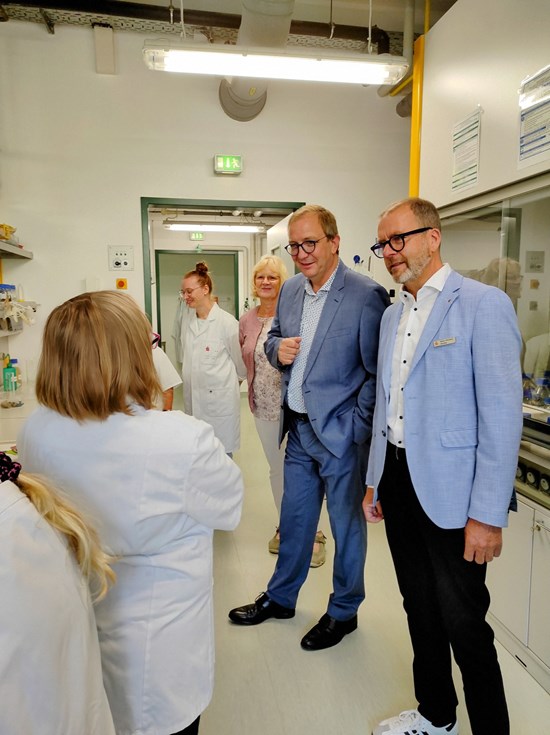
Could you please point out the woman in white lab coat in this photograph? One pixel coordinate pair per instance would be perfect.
(156, 484)
(212, 361)
(50, 667)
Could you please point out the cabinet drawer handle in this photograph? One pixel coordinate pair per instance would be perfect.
(539, 526)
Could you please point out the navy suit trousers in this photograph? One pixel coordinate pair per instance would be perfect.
(310, 473)
(446, 602)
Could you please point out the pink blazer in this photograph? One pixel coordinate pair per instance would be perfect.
(250, 328)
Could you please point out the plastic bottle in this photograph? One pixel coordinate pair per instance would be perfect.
(15, 364)
(9, 375)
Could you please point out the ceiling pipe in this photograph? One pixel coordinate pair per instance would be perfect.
(264, 24)
(201, 18)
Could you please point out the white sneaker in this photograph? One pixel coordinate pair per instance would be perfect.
(411, 722)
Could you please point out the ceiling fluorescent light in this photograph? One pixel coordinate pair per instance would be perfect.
(314, 65)
(212, 227)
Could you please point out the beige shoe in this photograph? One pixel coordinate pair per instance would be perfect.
(274, 542)
(318, 557)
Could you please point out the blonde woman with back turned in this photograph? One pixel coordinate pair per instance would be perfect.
(157, 484)
(50, 665)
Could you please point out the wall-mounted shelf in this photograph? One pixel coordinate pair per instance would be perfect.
(12, 251)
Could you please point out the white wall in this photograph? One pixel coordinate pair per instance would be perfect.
(79, 149)
(478, 54)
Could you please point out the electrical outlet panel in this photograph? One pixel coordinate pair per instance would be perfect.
(121, 259)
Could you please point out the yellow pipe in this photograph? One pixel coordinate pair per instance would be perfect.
(416, 116)
(401, 86)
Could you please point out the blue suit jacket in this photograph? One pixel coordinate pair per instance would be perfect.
(462, 405)
(339, 379)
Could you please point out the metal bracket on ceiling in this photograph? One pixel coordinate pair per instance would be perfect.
(48, 22)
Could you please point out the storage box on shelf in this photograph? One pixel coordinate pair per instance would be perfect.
(12, 324)
(9, 326)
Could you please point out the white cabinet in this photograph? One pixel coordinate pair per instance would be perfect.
(539, 619)
(519, 583)
(509, 576)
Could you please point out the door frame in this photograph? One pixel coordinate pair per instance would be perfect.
(168, 203)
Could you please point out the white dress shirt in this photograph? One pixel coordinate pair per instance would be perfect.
(411, 325)
(311, 314)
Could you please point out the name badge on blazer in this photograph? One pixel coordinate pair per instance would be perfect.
(444, 342)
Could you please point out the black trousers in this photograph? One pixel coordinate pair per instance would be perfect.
(446, 602)
(191, 729)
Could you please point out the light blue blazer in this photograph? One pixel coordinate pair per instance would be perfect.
(462, 405)
(339, 379)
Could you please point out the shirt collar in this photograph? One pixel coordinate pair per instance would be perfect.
(435, 283)
(325, 287)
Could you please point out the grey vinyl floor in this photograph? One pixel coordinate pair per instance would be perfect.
(267, 685)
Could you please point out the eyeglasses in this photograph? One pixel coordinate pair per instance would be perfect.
(396, 242)
(188, 291)
(155, 339)
(308, 246)
(271, 279)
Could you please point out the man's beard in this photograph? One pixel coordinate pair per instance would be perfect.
(415, 267)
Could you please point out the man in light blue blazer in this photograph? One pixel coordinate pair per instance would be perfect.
(324, 339)
(446, 433)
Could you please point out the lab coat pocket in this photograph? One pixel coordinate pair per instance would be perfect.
(210, 352)
(219, 401)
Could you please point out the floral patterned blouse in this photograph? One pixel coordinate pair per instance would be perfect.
(267, 380)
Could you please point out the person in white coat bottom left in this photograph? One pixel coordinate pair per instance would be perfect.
(50, 666)
(157, 484)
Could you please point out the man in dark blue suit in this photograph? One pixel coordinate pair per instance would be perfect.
(324, 339)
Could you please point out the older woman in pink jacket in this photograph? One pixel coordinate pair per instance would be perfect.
(264, 382)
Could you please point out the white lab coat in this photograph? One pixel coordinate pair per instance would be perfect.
(156, 484)
(212, 367)
(167, 374)
(50, 668)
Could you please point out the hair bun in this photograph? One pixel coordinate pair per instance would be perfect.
(201, 268)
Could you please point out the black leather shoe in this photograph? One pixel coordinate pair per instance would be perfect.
(261, 609)
(328, 632)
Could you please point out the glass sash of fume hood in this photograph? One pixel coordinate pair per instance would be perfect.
(506, 243)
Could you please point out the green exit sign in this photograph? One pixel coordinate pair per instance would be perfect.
(227, 164)
(196, 235)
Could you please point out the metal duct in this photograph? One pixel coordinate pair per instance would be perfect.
(408, 41)
(264, 23)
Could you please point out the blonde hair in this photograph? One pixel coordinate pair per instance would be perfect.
(81, 538)
(274, 264)
(96, 357)
(326, 219)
